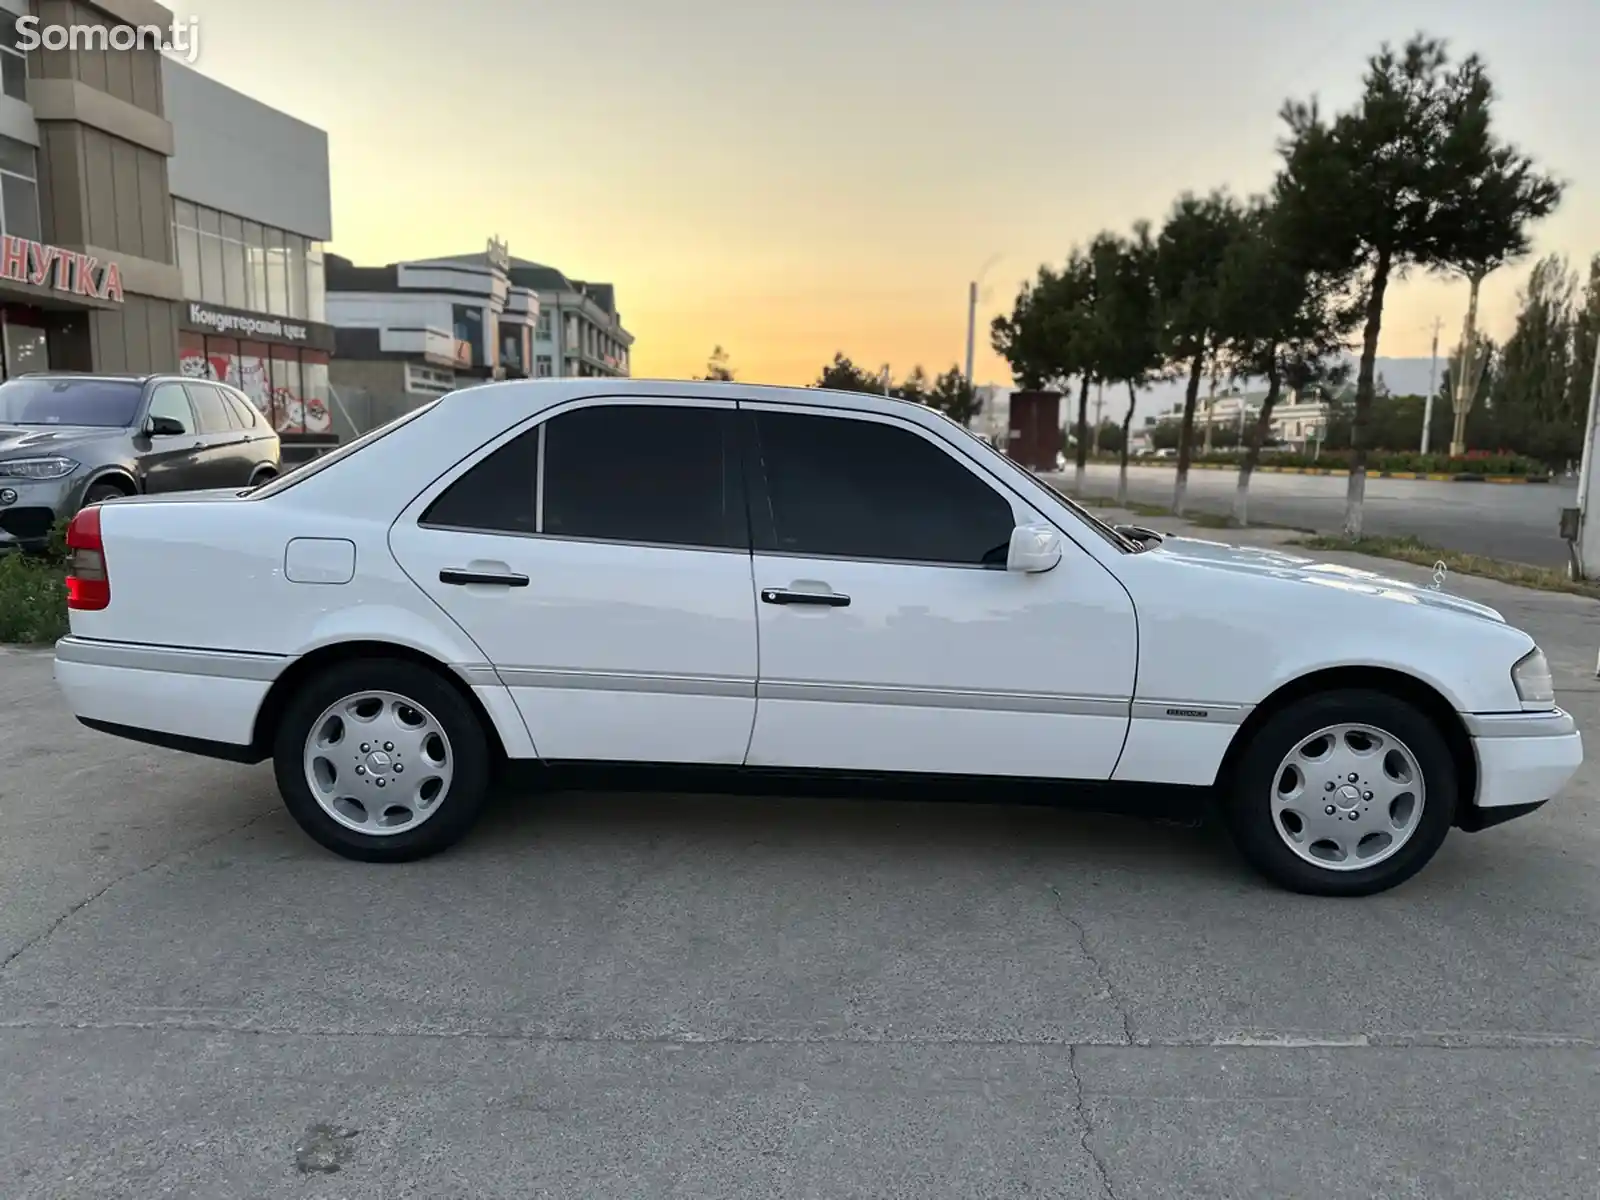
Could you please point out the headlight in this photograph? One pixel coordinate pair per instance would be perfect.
(37, 468)
(1534, 685)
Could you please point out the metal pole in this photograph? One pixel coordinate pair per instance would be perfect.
(972, 323)
(1433, 385)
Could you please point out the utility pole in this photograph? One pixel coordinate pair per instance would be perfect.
(1099, 403)
(1433, 385)
(972, 324)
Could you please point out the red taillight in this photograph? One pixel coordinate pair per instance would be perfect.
(88, 585)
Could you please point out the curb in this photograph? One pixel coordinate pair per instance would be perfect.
(1343, 472)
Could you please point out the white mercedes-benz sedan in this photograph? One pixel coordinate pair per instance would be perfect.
(793, 586)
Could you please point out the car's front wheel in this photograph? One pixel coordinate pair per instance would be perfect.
(1346, 793)
(381, 760)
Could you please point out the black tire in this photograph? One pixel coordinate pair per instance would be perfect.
(264, 475)
(1247, 799)
(99, 493)
(454, 812)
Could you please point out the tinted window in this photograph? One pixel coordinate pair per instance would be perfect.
(209, 408)
(169, 400)
(863, 489)
(636, 473)
(495, 495)
(104, 402)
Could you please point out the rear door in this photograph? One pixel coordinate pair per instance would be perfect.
(600, 559)
(224, 458)
(171, 462)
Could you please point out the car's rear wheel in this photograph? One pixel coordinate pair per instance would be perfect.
(382, 761)
(1347, 793)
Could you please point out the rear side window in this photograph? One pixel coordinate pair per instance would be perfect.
(209, 408)
(243, 411)
(497, 495)
(648, 474)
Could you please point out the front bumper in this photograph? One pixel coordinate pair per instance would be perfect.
(1523, 758)
(26, 521)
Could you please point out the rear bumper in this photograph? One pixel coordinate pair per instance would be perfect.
(202, 701)
(1523, 758)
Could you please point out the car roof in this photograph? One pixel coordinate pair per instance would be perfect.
(554, 391)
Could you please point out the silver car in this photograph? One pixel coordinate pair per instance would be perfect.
(69, 440)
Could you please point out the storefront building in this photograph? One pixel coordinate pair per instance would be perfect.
(87, 276)
(248, 241)
(153, 220)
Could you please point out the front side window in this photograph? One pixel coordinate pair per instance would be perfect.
(652, 475)
(169, 401)
(846, 488)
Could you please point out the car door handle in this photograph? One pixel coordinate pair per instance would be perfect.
(463, 578)
(785, 596)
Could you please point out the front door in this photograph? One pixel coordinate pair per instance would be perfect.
(170, 461)
(892, 636)
(600, 559)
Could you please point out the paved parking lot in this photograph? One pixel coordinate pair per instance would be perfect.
(677, 996)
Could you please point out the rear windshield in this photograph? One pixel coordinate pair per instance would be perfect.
(284, 482)
(109, 403)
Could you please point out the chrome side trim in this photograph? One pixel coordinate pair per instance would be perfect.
(177, 660)
(1190, 710)
(1556, 723)
(909, 697)
(621, 681)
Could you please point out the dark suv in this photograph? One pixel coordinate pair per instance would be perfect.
(68, 440)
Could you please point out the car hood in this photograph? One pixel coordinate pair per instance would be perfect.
(1277, 563)
(18, 441)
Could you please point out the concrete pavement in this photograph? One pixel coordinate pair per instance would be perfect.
(1516, 522)
(704, 997)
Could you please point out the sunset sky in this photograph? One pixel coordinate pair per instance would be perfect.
(793, 178)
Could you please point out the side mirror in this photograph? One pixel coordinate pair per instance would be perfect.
(163, 427)
(1034, 548)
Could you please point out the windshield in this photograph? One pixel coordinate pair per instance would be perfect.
(109, 403)
(284, 482)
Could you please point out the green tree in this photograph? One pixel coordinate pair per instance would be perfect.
(914, 387)
(1282, 321)
(1190, 254)
(1381, 188)
(842, 375)
(1045, 338)
(1498, 193)
(1128, 321)
(953, 395)
(1585, 338)
(717, 369)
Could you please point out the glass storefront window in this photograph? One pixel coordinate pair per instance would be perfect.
(316, 284)
(184, 214)
(26, 349)
(255, 249)
(277, 275)
(13, 62)
(210, 220)
(234, 268)
(19, 193)
(295, 255)
(317, 393)
(288, 403)
(188, 246)
(211, 286)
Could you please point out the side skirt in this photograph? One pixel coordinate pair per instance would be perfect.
(1162, 802)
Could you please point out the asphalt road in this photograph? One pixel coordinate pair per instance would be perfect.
(608, 996)
(1517, 522)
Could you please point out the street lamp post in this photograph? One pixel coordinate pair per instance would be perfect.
(972, 314)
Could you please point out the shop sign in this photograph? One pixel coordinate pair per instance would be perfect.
(229, 322)
(23, 260)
